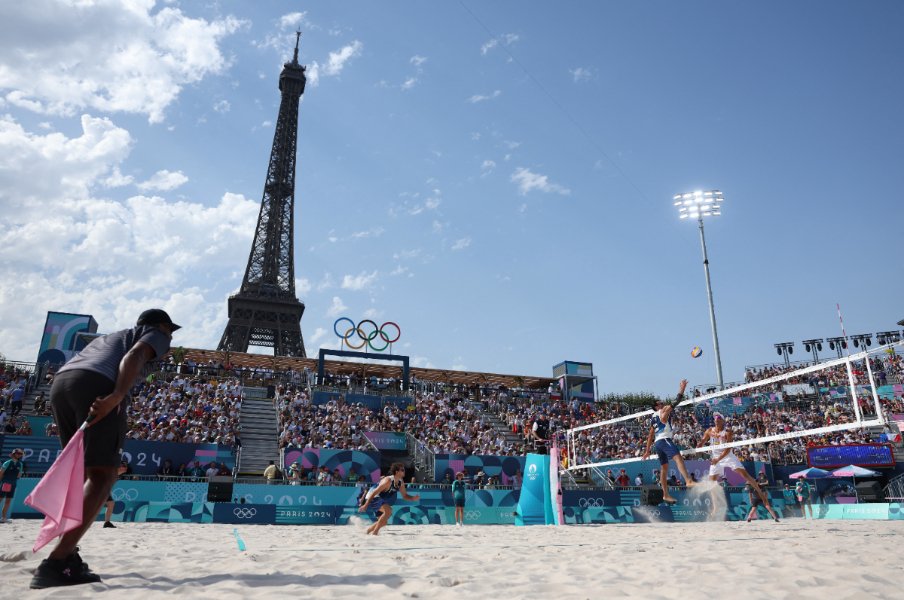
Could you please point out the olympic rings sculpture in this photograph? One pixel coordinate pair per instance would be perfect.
(367, 335)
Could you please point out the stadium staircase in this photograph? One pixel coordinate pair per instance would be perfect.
(495, 422)
(28, 404)
(259, 432)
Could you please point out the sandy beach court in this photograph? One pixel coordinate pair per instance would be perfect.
(793, 559)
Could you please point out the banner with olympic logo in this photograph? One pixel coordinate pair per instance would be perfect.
(244, 514)
(363, 334)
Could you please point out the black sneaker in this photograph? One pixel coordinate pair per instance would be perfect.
(109, 525)
(56, 573)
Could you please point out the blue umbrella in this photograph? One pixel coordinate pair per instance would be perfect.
(811, 473)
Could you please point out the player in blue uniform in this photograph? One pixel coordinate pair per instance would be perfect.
(660, 438)
(382, 496)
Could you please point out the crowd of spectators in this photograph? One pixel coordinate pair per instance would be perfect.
(443, 422)
(178, 409)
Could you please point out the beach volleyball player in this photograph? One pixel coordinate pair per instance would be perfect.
(660, 438)
(725, 459)
(382, 496)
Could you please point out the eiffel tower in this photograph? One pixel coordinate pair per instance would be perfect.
(265, 311)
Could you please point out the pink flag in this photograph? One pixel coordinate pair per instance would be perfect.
(60, 493)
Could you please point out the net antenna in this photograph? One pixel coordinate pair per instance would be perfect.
(577, 435)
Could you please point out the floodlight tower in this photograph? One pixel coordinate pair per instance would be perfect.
(696, 205)
(813, 346)
(784, 349)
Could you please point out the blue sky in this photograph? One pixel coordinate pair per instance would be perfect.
(494, 177)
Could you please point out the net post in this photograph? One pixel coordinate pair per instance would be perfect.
(872, 384)
(853, 387)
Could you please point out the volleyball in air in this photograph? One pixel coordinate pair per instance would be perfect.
(697, 352)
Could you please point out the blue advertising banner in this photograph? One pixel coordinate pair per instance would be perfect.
(387, 440)
(168, 502)
(144, 457)
(311, 496)
(363, 463)
(534, 504)
(862, 455)
(503, 467)
(303, 515)
(40, 451)
(244, 514)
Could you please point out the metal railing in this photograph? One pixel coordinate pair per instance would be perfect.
(895, 488)
(423, 458)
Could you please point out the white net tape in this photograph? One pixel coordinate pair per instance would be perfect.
(855, 370)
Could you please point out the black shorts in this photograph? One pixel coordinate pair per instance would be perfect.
(70, 398)
(755, 501)
(8, 494)
(459, 503)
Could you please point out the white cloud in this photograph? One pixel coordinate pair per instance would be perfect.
(106, 56)
(461, 244)
(117, 179)
(528, 181)
(488, 166)
(222, 107)
(417, 60)
(325, 283)
(438, 226)
(292, 20)
(481, 98)
(409, 83)
(373, 232)
(163, 181)
(359, 282)
(335, 63)
(337, 308)
(67, 249)
(318, 335)
(337, 60)
(475, 136)
(510, 144)
(303, 286)
(506, 39)
(422, 362)
(581, 74)
(407, 254)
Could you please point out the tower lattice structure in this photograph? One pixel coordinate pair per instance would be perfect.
(266, 311)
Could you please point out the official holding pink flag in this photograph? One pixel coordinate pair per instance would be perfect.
(91, 387)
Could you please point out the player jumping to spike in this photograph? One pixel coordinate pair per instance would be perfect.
(383, 495)
(726, 459)
(660, 437)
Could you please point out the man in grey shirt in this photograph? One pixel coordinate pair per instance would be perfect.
(92, 387)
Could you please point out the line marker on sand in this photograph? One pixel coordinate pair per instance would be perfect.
(238, 539)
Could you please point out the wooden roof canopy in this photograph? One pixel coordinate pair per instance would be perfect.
(285, 363)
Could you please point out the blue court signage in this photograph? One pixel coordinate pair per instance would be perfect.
(862, 455)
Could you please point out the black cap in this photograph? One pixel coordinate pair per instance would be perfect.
(156, 316)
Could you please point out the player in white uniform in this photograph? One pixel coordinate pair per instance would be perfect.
(726, 459)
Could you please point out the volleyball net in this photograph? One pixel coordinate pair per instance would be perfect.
(832, 402)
